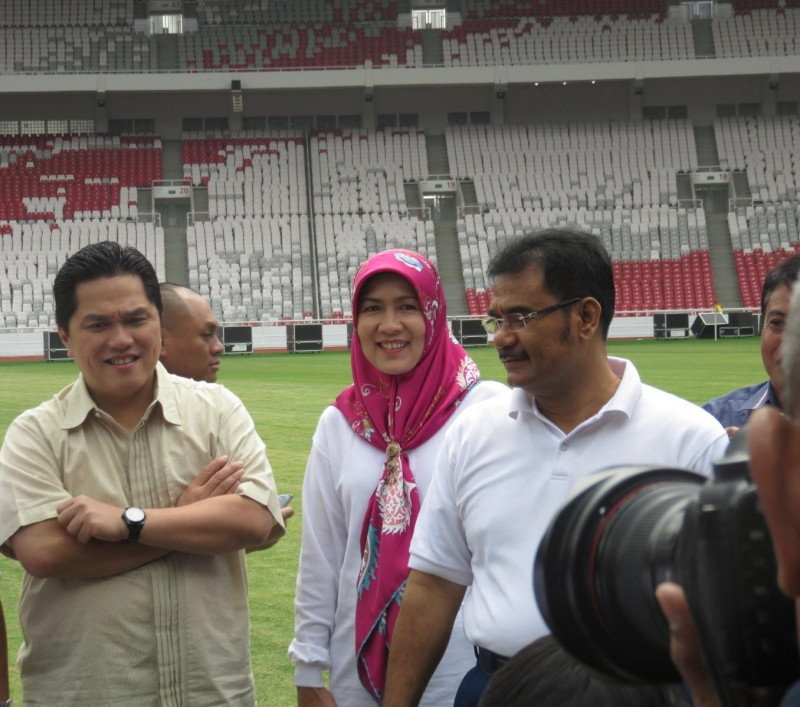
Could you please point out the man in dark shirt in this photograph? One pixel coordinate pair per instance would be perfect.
(734, 409)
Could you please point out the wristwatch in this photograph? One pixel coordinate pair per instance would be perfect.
(134, 519)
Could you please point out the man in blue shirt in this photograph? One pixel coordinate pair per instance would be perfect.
(774, 447)
(734, 409)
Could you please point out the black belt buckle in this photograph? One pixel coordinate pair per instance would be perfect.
(489, 661)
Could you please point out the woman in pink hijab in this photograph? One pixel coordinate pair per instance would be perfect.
(372, 460)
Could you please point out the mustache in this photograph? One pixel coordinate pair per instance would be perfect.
(511, 354)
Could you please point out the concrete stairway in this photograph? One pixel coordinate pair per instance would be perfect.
(685, 190)
(167, 47)
(173, 217)
(448, 257)
(707, 155)
(413, 199)
(741, 185)
(432, 52)
(175, 256)
(436, 146)
(469, 193)
(703, 38)
(726, 283)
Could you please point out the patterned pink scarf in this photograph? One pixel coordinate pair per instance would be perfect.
(396, 414)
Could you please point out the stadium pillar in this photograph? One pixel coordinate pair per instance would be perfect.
(498, 104)
(101, 111)
(769, 93)
(636, 99)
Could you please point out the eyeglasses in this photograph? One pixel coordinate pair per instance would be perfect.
(517, 322)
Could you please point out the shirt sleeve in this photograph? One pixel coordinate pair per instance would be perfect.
(439, 546)
(31, 487)
(321, 558)
(240, 441)
(713, 451)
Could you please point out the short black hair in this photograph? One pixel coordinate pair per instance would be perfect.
(104, 259)
(573, 264)
(545, 675)
(783, 274)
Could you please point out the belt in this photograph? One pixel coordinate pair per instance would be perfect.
(488, 661)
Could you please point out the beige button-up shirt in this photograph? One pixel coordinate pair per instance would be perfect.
(174, 633)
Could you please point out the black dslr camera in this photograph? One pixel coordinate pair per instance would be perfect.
(628, 530)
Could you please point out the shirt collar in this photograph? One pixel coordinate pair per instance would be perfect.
(764, 395)
(624, 399)
(79, 402)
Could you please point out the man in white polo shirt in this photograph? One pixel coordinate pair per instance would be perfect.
(508, 464)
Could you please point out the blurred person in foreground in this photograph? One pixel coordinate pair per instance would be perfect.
(774, 446)
(508, 464)
(734, 409)
(543, 674)
(129, 499)
(190, 345)
(5, 688)
(371, 464)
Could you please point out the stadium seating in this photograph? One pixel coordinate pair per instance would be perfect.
(478, 9)
(253, 269)
(363, 171)
(229, 47)
(758, 33)
(761, 237)
(283, 12)
(345, 241)
(75, 176)
(561, 40)
(767, 148)
(660, 255)
(32, 253)
(590, 165)
(76, 49)
(66, 13)
(248, 174)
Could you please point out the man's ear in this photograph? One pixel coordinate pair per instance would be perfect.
(589, 311)
(65, 340)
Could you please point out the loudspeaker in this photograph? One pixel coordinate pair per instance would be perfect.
(54, 349)
(470, 332)
(236, 85)
(304, 338)
(706, 323)
(237, 339)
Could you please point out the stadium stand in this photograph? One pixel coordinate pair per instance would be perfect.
(75, 176)
(617, 180)
(232, 47)
(248, 175)
(66, 13)
(758, 33)
(31, 253)
(253, 269)
(76, 49)
(358, 188)
(767, 148)
(253, 258)
(761, 237)
(561, 40)
(364, 170)
(479, 9)
(283, 12)
(660, 255)
(590, 165)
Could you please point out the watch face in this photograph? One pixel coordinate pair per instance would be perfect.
(134, 515)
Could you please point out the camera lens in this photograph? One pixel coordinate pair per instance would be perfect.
(600, 561)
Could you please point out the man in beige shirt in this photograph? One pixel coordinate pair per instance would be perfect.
(135, 590)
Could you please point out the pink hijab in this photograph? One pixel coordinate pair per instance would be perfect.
(396, 414)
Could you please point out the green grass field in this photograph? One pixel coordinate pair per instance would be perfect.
(285, 394)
